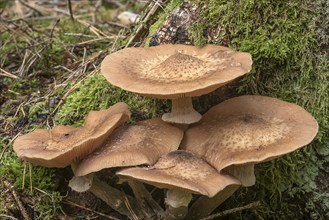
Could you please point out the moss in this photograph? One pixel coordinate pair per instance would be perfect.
(12, 170)
(283, 38)
(3, 4)
(96, 93)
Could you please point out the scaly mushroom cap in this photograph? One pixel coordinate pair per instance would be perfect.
(249, 129)
(140, 143)
(61, 145)
(183, 171)
(131, 145)
(174, 71)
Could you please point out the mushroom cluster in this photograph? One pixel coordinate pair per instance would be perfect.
(183, 152)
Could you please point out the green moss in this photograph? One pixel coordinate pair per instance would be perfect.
(3, 4)
(96, 93)
(12, 170)
(283, 38)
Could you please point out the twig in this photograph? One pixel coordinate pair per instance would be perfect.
(93, 28)
(30, 7)
(6, 147)
(155, 5)
(24, 174)
(70, 9)
(8, 216)
(18, 201)
(80, 35)
(8, 74)
(88, 209)
(30, 174)
(97, 39)
(234, 210)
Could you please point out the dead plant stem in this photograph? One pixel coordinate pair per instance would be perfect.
(234, 210)
(18, 201)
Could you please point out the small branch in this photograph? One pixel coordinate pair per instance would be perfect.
(18, 201)
(7, 145)
(70, 9)
(154, 7)
(7, 74)
(30, 7)
(30, 174)
(234, 210)
(88, 209)
(8, 217)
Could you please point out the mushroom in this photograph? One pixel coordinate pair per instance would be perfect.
(245, 130)
(182, 173)
(249, 129)
(176, 72)
(130, 145)
(62, 145)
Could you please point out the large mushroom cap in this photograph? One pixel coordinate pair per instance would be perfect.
(182, 170)
(249, 129)
(62, 145)
(130, 145)
(174, 71)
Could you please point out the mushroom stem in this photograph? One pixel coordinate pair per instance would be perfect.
(177, 202)
(203, 206)
(182, 112)
(243, 172)
(124, 204)
(144, 198)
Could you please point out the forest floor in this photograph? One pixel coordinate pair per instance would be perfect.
(48, 48)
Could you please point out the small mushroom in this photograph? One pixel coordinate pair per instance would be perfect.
(62, 145)
(182, 173)
(130, 145)
(176, 72)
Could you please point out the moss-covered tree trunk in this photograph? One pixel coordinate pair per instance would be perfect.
(289, 44)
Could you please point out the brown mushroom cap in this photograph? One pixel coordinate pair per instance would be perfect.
(249, 129)
(140, 143)
(174, 71)
(61, 145)
(183, 171)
